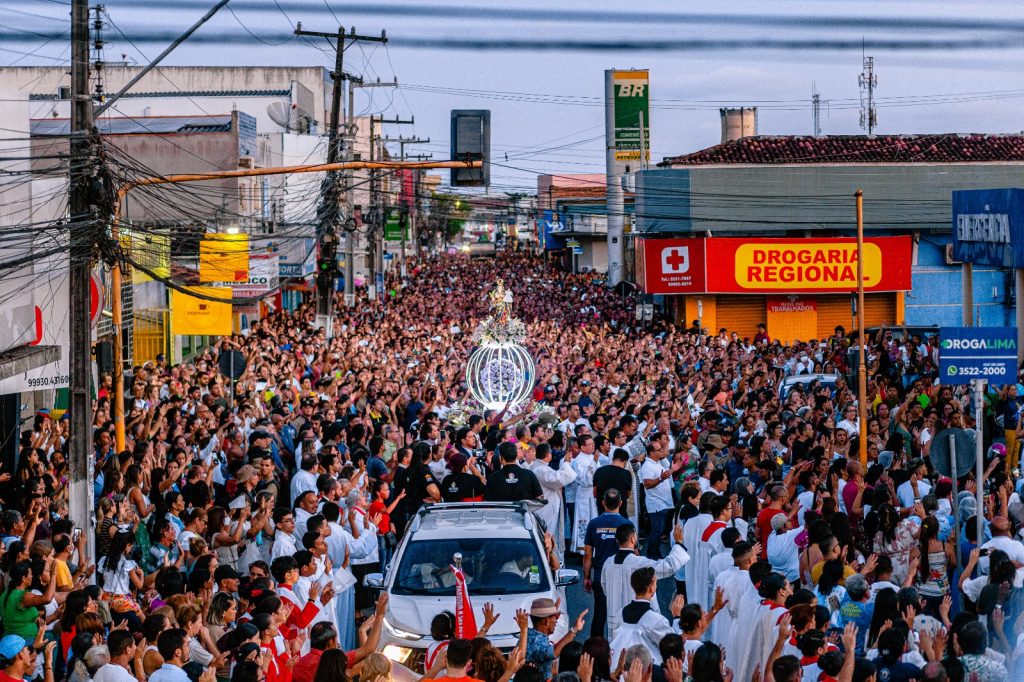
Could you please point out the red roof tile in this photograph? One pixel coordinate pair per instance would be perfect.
(946, 148)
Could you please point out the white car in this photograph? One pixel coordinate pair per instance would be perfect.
(503, 558)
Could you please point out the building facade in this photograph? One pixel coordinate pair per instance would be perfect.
(802, 188)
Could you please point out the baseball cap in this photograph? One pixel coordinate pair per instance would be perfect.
(540, 608)
(225, 572)
(11, 645)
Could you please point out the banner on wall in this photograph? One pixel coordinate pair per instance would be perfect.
(224, 258)
(201, 317)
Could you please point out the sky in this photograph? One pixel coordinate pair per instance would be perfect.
(942, 66)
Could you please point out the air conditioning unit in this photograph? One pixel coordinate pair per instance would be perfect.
(949, 256)
(246, 162)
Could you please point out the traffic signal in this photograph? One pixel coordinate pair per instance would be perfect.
(327, 263)
(471, 141)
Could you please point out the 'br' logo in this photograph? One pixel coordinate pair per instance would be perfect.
(675, 260)
(632, 89)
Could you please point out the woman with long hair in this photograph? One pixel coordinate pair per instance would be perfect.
(708, 664)
(333, 667)
(830, 590)
(895, 539)
(937, 558)
(19, 607)
(121, 577)
(887, 607)
(376, 668)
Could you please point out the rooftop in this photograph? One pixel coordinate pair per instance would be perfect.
(49, 127)
(858, 149)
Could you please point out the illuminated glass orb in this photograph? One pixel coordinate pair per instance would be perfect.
(500, 374)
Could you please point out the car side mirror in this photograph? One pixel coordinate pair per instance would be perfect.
(566, 577)
(374, 581)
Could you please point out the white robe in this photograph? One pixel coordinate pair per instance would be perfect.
(586, 505)
(695, 574)
(746, 616)
(284, 545)
(647, 630)
(552, 481)
(735, 587)
(765, 633)
(616, 574)
(720, 629)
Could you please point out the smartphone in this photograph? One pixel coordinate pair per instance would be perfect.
(75, 534)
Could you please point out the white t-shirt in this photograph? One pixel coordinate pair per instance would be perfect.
(659, 498)
(117, 582)
(113, 673)
(783, 554)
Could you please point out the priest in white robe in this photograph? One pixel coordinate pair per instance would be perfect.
(618, 569)
(692, 532)
(552, 482)
(585, 464)
(742, 603)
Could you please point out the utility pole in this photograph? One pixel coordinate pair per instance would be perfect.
(82, 167)
(329, 209)
(408, 208)
(868, 82)
(378, 199)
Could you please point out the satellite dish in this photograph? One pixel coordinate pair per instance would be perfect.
(291, 117)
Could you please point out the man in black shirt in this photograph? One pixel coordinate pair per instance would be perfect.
(461, 485)
(422, 486)
(615, 476)
(511, 483)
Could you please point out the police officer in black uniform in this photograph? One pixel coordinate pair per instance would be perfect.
(511, 483)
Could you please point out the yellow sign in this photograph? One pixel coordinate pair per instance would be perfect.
(805, 265)
(224, 258)
(191, 315)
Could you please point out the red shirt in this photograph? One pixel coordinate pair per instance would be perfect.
(764, 527)
(378, 507)
(305, 667)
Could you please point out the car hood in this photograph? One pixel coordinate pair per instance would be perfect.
(414, 613)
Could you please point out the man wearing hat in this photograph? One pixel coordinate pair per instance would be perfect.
(18, 661)
(540, 652)
(226, 579)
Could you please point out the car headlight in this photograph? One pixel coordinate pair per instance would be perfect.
(401, 634)
(398, 654)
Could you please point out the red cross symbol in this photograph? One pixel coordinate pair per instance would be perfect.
(675, 259)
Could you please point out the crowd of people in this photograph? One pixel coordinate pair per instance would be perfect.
(235, 529)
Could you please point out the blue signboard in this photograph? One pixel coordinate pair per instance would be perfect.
(988, 227)
(988, 353)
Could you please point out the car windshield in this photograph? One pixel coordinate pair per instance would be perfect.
(491, 566)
